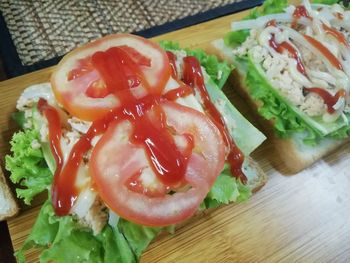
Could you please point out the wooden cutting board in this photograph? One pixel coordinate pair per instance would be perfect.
(299, 218)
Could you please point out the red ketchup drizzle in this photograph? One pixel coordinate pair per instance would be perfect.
(182, 91)
(55, 133)
(271, 23)
(338, 15)
(172, 62)
(83, 67)
(167, 161)
(64, 192)
(291, 50)
(331, 58)
(336, 34)
(300, 11)
(194, 78)
(135, 184)
(328, 99)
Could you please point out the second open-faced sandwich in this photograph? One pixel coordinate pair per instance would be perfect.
(293, 65)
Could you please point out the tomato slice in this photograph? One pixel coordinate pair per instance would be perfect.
(80, 88)
(116, 162)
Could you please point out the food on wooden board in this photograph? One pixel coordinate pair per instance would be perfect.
(129, 139)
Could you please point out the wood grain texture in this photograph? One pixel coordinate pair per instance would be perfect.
(300, 218)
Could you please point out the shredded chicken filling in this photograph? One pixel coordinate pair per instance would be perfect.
(281, 67)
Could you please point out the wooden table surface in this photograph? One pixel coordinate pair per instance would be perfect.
(299, 218)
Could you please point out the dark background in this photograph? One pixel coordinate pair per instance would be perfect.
(6, 250)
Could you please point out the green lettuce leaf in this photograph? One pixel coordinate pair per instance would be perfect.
(27, 165)
(138, 236)
(226, 189)
(218, 71)
(19, 118)
(72, 244)
(62, 239)
(326, 2)
(115, 246)
(235, 38)
(343, 132)
(169, 45)
(270, 7)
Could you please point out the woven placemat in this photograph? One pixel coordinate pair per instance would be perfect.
(44, 30)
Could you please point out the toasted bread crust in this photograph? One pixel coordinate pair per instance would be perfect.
(261, 178)
(292, 152)
(11, 208)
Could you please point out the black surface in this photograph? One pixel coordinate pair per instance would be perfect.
(6, 250)
(13, 66)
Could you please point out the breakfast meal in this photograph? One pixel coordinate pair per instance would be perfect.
(293, 66)
(129, 139)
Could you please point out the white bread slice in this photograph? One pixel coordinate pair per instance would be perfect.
(292, 151)
(8, 205)
(259, 180)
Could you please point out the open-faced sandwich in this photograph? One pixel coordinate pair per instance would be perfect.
(129, 139)
(293, 65)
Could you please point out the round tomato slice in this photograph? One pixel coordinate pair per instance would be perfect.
(115, 161)
(80, 85)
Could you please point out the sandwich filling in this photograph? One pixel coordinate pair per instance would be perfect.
(295, 60)
(305, 55)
